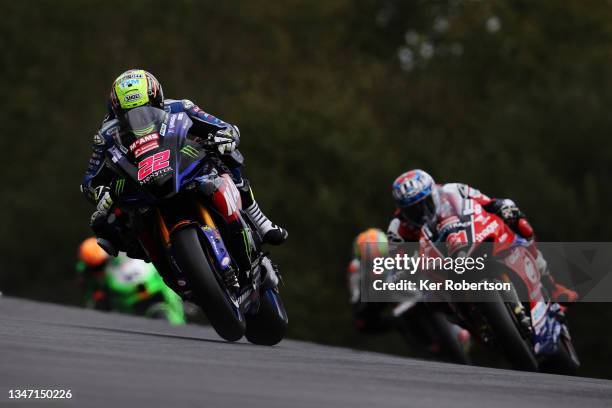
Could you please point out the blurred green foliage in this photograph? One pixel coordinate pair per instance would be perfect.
(334, 99)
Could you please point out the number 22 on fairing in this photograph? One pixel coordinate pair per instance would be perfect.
(153, 163)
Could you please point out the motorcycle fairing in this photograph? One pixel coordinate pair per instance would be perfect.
(217, 246)
(547, 330)
(523, 264)
(182, 162)
(474, 227)
(227, 199)
(155, 170)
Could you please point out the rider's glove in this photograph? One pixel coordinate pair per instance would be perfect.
(508, 211)
(225, 140)
(512, 215)
(105, 202)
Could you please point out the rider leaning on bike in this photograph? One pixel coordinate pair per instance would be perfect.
(419, 201)
(136, 88)
(91, 268)
(412, 319)
(368, 317)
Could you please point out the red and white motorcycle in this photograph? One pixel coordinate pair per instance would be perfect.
(523, 322)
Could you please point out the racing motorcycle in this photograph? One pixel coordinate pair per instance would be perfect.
(177, 206)
(135, 287)
(524, 322)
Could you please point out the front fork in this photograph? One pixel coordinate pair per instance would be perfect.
(518, 309)
(240, 243)
(542, 324)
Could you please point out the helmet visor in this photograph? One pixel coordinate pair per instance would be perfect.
(420, 212)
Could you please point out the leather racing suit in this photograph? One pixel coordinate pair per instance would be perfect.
(451, 195)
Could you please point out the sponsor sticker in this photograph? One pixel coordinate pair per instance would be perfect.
(172, 123)
(111, 130)
(128, 83)
(132, 97)
(145, 148)
(488, 230)
(131, 76)
(144, 144)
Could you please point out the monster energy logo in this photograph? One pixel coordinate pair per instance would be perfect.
(247, 243)
(190, 151)
(145, 130)
(119, 184)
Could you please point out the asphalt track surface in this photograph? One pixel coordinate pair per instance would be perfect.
(110, 360)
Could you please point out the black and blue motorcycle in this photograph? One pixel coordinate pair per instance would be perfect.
(177, 206)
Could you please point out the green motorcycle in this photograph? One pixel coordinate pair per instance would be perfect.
(133, 286)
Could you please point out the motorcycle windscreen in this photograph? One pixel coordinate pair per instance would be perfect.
(140, 123)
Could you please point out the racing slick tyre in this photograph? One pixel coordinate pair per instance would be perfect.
(268, 326)
(224, 316)
(451, 348)
(564, 361)
(157, 311)
(507, 334)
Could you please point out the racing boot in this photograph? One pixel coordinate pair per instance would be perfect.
(558, 292)
(270, 232)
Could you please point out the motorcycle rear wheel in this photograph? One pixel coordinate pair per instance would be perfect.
(225, 318)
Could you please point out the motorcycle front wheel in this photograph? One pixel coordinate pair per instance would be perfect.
(444, 331)
(505, 329)
(224, 316)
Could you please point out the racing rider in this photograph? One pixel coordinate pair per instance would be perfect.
(136, 88)
(420, 201)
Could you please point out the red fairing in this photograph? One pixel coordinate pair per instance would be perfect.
(490, 227)
(487, 227)
(525, 228)
(227, 199)
(523, 263)
(353, 266)
(479, 197)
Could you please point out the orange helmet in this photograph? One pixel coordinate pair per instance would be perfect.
(371, 243)
(91, 253)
